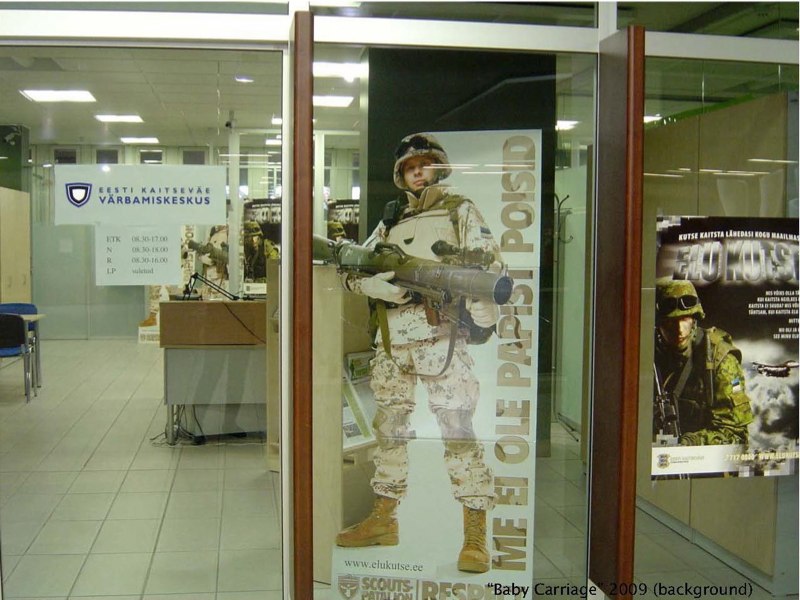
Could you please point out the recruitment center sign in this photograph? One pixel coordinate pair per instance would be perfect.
(139, 194)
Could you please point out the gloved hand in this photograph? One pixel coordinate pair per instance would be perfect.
(378, 287)
(484, 314)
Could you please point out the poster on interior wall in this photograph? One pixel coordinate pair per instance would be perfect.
(725, 366)
(453, 495)
(139, 194)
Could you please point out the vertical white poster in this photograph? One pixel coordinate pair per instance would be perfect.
(498, 174)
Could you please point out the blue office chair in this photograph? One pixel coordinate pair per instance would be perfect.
(25, 308)
(14, 341)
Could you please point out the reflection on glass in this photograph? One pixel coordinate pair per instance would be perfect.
(576, 14)
(726, 150)
(773, 20)
(148, 461)
(438, 322)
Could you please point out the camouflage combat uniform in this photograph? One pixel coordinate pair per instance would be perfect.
(420, 350)
(709, 416)
(704, 374)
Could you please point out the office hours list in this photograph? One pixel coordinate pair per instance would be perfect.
(137, 255)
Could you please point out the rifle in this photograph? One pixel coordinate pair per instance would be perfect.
(218, 255)
(666, 420)
(441, 285)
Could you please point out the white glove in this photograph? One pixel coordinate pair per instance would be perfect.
(378, 287)
(484, 314)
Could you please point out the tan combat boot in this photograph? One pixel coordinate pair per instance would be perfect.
(474, 557)
(378, 529)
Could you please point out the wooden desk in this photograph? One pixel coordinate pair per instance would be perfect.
(215, 361)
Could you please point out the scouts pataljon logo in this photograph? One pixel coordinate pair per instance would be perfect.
(663, 461)
(348, 586)
(78, 193)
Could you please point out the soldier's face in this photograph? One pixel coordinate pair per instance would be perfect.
(677, 331)
(417, 173)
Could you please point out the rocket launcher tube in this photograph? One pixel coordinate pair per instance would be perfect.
(440, 282)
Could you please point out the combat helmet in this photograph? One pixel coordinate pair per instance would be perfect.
(251, 228)
(677, 298)
(336, 230)
(420, 144)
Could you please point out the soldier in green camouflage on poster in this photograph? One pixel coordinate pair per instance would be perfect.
(698, 373)
(257, 250)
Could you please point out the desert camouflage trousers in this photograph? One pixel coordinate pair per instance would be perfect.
(452, 398)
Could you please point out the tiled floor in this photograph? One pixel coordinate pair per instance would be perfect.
(94, 505)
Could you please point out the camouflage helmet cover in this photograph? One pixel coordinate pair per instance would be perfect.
(252, 228)
(420, 144)
(335, 229)
(677, 298)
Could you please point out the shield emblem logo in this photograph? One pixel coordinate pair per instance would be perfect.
(663, 461)
(348, 586)
(78, 193)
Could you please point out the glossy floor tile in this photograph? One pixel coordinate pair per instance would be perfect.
(94, 504)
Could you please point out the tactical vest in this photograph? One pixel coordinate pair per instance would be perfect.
(416, 232)
(696, 395)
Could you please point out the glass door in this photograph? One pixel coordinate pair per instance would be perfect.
(441, 463)
(148, 464)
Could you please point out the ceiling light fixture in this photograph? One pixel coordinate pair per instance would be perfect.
(333, 101)
(777, 161)
(277, 121)
(58, 95)
(272, 142)
(347, 71)
(566, 125)
(652, 118)
(119, 118)
(243, 79)
(139, 140)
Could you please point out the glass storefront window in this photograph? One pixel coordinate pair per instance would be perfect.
(773, 20)
(147, 462)
(677, 88)
(576, 14)
(511, 164)
(720, 172)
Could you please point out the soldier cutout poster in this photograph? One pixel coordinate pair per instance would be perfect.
(725, 365)
(453, 493)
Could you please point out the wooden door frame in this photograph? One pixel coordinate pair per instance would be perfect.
(616, 310)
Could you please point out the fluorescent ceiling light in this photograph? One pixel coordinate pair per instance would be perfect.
(119, 118)
(277, 121)
(333, 101)
(566, 125)
(3, 158)
(773, 160)
(347, 71)
(58, 95)
(245, 155)
(244, 79)
(652, 118)
(272, 142)
(139, 140)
